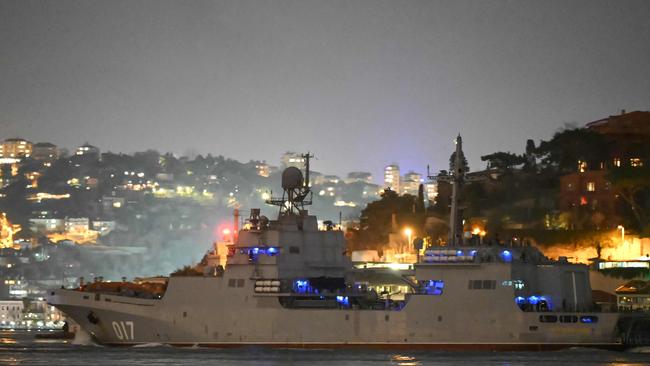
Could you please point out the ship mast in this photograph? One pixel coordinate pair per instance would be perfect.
(457, 179)
(296, 191)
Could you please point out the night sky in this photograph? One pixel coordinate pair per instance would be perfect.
(359, 83)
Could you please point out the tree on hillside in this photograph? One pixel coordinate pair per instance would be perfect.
(563, 152)
(503, 160)
(530, 161)
(419, 202)
(376, 217)
(452, 163)
(633, 186)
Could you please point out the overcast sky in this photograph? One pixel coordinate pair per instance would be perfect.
(359, 83)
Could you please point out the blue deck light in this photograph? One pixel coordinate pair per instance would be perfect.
(519, 300)
(506, 256)
(434, 287)
(459, 253)
(272, 251)
(588, 319)
(301, 286)
(343, 300)
(533, 300)
(472, 252)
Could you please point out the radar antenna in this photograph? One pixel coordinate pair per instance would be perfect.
(296, 191)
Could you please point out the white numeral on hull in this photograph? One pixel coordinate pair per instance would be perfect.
(120, 329)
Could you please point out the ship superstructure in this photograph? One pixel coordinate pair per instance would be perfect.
(288, 283)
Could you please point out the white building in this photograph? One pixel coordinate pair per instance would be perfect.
(392, 178)
(103, 226)
(411, 183)
(76, 224)
(88, 150)
(15, 148)
(431, 191)
(11, 312)
(291, 158)
(46, 224)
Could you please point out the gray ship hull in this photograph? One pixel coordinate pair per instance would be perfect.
(204, 311)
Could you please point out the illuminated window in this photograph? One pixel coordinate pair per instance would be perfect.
(582, 166)
(636, 162)
(617, 162)
(591, 186)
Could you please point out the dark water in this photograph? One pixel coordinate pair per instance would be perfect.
(22, 349)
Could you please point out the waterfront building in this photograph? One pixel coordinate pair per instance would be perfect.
(45, 152)
(37, 315)
(634, 296)
(392, 178)
(45, 222)
(76, 224)
(15, 148)
(588, 187)
(11, 312)
(630, 131)
(88, 151)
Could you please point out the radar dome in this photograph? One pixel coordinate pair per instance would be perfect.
(291, 178)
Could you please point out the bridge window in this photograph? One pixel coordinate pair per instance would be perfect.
(548, 318)
(432, 287)
(568, 319)
(482, 284)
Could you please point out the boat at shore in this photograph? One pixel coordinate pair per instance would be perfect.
(289, 283)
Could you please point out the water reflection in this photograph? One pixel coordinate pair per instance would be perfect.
(403, 360)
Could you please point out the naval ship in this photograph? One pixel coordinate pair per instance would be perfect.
(289, 283)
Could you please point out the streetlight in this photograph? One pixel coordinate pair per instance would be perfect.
(408, 232)
(620, 227)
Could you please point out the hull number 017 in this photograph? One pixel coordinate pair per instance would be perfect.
(123, 330)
